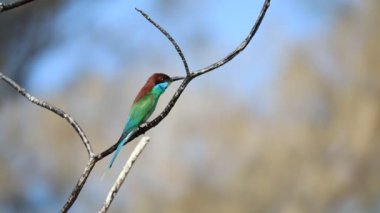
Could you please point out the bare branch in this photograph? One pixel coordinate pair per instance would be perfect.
(176, 46)
(123, 174)
(94, 158)
(53, 109)
(8, 6)
(193, 75)
(78, 187)
(240, 48)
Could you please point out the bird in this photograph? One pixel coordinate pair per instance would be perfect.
(143, 106)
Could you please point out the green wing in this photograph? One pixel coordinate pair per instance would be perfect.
(141, 111)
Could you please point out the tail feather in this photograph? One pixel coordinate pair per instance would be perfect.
(122, 141)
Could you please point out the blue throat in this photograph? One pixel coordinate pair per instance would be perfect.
(160, 88)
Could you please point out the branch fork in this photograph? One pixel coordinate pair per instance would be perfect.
(94, 158)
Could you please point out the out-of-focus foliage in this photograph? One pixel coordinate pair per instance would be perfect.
(313, 148)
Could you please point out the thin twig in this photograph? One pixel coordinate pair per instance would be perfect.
(240, 48)
(53, 109)
(163, 31)
(123, 174)
(8, 6)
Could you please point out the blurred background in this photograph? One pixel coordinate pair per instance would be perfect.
(292, 124)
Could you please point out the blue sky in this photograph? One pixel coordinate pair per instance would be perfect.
(112, 38)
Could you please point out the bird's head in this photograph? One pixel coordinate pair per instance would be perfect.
(161, 81)
(158, 82)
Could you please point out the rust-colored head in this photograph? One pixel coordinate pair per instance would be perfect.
(153, 80)
(157, 78)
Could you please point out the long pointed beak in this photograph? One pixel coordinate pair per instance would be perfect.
(176, 78)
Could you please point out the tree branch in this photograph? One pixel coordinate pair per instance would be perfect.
(93, 159)
(163, 31)
(78, 187)
(53, 109)
(8, 6)
(190, 77)
(240, 48)
(123, 174)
